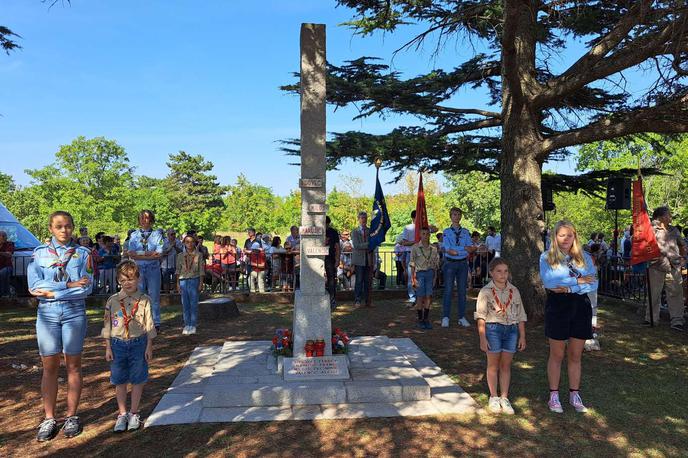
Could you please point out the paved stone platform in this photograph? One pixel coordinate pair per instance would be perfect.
(239, 381)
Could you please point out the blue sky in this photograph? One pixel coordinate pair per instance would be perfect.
(163, 76)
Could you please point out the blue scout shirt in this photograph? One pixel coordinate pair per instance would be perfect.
(456, 239)
(567, 273)
(150, 240)
(44, 271)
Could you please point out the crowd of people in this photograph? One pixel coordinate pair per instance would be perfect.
(61, 275)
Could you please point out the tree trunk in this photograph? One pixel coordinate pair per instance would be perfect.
(520, 169)
(522, 219)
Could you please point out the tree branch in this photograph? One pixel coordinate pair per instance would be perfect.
(633, 53)
(608, 42)
(482, 124)
(669, 117)
(491, 114)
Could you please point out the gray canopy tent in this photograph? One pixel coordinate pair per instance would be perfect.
(24, 243)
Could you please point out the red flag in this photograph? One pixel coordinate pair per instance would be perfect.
(421, 213)
(644, 243)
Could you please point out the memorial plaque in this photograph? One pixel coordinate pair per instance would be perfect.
(311, 182)
(317, 208)
(333, 367)
(317, 250)
(311, 230)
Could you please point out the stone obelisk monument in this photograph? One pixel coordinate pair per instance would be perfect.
(312, 305)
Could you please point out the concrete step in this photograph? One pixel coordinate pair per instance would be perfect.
(284, 394)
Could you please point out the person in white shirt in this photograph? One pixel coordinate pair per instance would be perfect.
(408, 239)
(493, 242)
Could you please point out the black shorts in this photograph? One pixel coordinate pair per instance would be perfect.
(568, 315)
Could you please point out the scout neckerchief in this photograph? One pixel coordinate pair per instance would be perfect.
(127, 318)
(61, 261)
(502, 307)
(573, 272)
(145, 234)
(457, 233)
(187, 264)
(425, 257)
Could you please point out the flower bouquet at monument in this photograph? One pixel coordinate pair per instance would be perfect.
(340, 342)
(282, 344)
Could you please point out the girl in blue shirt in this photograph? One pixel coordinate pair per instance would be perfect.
(60, 276)
(568, 274)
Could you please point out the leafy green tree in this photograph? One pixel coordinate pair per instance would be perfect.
(342, 209)
(534, 113)
(24, 205)
(287, 213)
(478, 196)
(249, 205)
(194, 193)
(588, 215)
(151, 194)
(7, 187)
(90, 178)
(669, 155)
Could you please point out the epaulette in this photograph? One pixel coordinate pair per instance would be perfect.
(44, 245)
(83, 248)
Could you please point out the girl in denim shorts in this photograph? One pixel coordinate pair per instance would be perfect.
(501, 322)
(128, 330)
(60, 276)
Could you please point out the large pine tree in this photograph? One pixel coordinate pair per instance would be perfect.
(538, 113)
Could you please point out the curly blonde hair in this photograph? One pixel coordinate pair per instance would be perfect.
(555, 256)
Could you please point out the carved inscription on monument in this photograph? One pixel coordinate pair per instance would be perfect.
(317, 208)
(311, 230)
(317, 250)
(311, 182)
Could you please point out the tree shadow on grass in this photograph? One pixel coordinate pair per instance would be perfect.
(635, 387)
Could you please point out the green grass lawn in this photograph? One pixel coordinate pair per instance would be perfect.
(636, 387)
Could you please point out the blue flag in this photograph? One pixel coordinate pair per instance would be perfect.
(380, 223)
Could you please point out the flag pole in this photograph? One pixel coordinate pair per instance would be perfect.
(371, 255)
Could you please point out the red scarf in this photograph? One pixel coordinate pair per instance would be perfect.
(126, 319)
(502, 307)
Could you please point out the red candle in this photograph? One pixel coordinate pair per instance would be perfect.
(320, 347)
(310, 348)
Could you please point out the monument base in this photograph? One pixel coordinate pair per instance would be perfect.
(239, 381)
(312, 319)
(335, 367)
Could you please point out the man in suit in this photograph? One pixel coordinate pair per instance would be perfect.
(360, 258)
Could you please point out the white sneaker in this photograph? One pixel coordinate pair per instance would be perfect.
(506, 406)
(464, 322)
(185, 331)
(445, 322)
(192, 329)
(577, 403)
(554, 404)
(493, 405)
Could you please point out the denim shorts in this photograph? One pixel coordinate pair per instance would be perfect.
(424, 279)
(129, 360)
(501, 337)
(61, 327)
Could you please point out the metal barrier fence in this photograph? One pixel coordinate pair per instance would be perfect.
(280, 274)
(616, 278)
